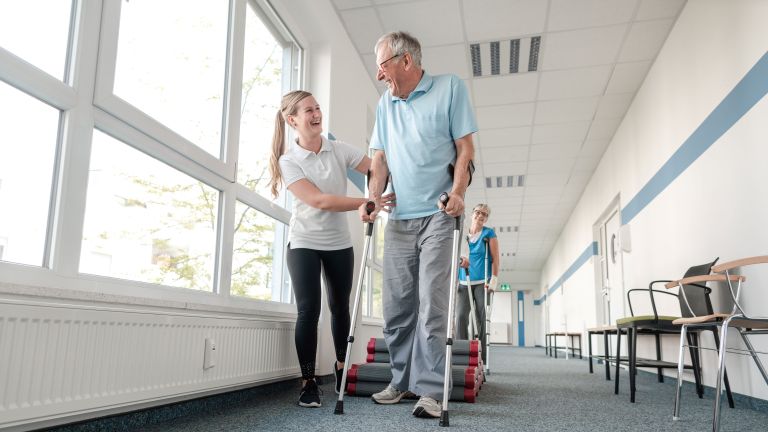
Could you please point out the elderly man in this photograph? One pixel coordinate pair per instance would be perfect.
(424, 125)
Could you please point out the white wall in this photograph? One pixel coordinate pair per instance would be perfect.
(716, 207)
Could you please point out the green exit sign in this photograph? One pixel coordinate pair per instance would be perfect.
(504, 287)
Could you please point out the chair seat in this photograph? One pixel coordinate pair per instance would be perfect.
(640, 318)
(701, 319)
(600, 329)
(750, 323)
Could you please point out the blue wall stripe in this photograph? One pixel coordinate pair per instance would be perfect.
(355, 177)
(744, 96)
(748, 91)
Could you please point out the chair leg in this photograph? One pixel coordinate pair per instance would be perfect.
(632, 363)
(695, 363)
(680, 365)
(720, 374)
(725, 373)
(589, 350)
(659, 373)
(605, 357)
(698, 362)
(618, 362)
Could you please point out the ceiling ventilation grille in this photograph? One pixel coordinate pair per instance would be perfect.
(505, 56)
(505, 181)
(507, 228)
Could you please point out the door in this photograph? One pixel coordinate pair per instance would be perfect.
(613, 282)
(609, 281)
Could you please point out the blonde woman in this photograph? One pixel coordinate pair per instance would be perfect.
(314, 169)
(478, 234)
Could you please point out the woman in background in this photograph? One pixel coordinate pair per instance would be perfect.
(475, 264)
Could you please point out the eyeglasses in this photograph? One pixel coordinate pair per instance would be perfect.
(381, 65)
(479, 212)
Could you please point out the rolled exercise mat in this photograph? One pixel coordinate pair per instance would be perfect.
(458, 394)
(457, 360)
(463, 376)
(471, 348)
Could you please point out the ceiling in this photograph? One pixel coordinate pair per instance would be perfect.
(546, 117)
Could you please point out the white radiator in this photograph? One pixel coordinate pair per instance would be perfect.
(68, 360)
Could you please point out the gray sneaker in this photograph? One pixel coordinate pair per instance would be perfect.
(390, 395)
(427, 407)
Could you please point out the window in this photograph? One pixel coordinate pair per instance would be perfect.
(372, 305)
(171, 63)
(265, 75)
(38, 37)
(141, 185)
(29, 131)
(257, 267)
(146, 221)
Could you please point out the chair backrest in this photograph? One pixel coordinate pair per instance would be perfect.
(698, 297)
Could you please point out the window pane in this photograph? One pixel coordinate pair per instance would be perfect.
(381, 224)
(28, 132)
(171, 64)
(38, 32)
(145, 221)
(256, 258)
(262, 90)
(378, 284)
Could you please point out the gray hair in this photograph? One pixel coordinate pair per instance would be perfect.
(399, 43)
(483, 207)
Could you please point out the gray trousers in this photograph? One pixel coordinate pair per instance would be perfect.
(464, 311)
(417, 267)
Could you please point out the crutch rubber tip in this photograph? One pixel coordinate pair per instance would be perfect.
(444, 419)
(675, 418)
(339, 407)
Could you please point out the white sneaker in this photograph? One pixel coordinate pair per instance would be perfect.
(390, 395)
(427, 407)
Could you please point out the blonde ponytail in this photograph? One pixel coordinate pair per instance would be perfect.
(288, 106)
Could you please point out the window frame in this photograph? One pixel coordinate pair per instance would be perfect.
(86, 103)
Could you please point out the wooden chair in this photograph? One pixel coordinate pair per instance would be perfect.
(738, 318)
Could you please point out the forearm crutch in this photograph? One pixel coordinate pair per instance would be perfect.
(369, 207)
(475, 333)
(487, 364)
(451, 313)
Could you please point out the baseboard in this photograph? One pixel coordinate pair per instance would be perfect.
(136, 420)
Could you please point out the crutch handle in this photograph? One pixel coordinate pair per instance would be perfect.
(370, 206)
(444, 198)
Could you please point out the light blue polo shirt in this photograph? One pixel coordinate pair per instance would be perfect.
(417, 135)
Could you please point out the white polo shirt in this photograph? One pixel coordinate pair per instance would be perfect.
(310, 227)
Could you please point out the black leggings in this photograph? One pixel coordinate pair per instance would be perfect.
(304, 266)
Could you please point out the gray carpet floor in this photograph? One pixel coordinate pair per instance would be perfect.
(526, 391)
